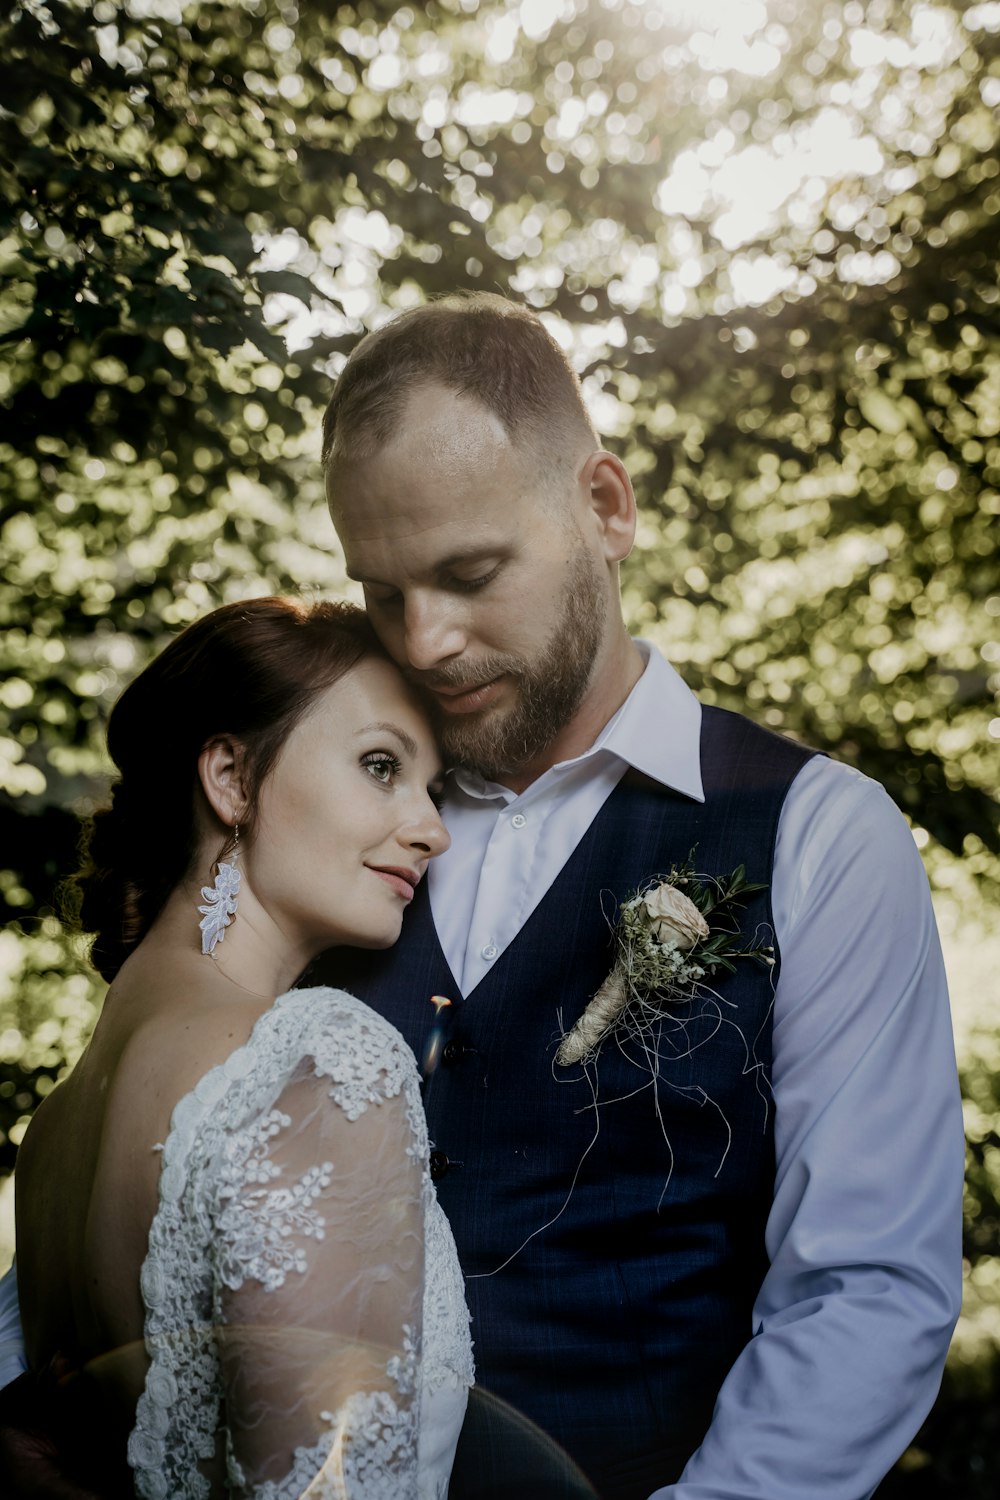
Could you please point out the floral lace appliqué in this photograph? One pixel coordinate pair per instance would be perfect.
(227, 1215)
(257, 1224)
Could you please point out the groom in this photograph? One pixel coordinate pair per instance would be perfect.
(721, 1260)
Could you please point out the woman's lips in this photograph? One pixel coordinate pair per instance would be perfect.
(403, 882)
(467, 700)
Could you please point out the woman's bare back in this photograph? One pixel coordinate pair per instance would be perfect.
(88, 1169)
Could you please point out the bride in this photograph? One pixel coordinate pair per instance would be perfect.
(224, 1216)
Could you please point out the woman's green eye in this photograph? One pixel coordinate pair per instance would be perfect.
(380, 767)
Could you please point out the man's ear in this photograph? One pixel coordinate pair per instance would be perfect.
(220, 771)
(608, 492)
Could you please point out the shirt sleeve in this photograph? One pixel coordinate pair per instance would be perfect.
(13, 1360)
(853, 1320)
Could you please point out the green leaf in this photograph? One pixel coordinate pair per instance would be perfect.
(288, 282)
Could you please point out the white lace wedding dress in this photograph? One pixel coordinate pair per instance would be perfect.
(305, 1314)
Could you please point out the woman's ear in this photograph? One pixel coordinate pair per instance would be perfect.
(220, 771)
(608, 490)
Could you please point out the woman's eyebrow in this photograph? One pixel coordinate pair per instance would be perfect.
(384, 727)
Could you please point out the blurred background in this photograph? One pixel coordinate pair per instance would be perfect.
(768, 234)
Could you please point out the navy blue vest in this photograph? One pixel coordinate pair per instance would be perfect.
(610, 1227)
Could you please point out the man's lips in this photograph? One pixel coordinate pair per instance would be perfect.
(403, 882)
(466, 700)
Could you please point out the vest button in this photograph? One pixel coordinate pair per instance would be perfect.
(452, 1053)
(439, 1165)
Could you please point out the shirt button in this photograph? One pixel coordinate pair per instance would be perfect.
(490, 951)
(518, 820)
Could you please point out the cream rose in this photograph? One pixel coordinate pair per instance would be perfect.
(674, 917)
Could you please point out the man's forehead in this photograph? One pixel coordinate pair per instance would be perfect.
(440, 504)
(415, 514)
(447, 418)
(451, 439)
(415, 528)
(375, 550)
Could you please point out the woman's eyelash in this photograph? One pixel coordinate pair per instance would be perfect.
(375, 758)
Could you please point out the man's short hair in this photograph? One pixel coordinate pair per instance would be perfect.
(477, 344)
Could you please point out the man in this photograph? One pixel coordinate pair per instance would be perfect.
(721, 1260)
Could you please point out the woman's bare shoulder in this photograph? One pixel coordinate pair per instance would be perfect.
(179, 1043)
(163, 1028)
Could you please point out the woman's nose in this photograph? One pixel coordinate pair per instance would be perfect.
(429, 833)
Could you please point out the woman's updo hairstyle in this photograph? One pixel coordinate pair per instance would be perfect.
(249, 670)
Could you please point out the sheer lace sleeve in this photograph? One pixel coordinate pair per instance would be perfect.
(284, 1280)
(319, 1284)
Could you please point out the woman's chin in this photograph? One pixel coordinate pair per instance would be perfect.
(382, 937)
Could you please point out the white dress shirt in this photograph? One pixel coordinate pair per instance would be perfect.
(864, 1235)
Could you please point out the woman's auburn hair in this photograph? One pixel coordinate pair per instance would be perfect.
(248, 670)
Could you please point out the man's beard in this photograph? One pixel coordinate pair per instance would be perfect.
(550, 687)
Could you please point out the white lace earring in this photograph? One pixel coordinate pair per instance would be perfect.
(220, 900)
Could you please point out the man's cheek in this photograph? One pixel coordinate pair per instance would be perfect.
(389, 631)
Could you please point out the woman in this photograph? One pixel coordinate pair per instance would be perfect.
(225, 1214)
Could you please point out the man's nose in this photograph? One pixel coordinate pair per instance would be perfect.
(432, 633)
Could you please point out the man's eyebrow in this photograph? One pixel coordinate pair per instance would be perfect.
(383, 727)
(454, 560)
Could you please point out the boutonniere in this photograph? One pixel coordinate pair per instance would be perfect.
(670, 935)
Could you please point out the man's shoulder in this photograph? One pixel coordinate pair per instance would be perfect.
(730, 722)
(839, 824)
(731, 739)
(829, 803)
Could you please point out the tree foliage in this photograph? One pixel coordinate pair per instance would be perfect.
(767, 232)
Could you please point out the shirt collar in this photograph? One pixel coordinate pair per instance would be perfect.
(657, 731)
